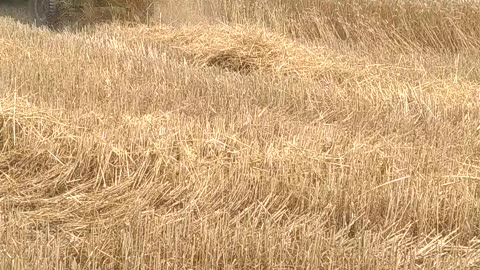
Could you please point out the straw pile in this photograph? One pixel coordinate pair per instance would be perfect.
(244, 49)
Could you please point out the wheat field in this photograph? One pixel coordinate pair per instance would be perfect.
(221, 134)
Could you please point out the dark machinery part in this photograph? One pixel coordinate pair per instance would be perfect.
(44, 12)
(51, 12)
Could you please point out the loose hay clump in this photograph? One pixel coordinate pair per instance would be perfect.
(243, 49)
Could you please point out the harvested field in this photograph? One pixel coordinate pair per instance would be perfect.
(263, 135)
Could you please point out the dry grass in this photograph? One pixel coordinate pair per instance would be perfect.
(249, 141)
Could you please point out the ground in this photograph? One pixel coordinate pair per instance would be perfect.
(261, 135)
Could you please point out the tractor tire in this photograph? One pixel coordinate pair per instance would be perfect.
(44, 12)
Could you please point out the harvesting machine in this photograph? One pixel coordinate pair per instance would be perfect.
(49, 12)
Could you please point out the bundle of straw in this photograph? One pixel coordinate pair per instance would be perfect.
(243, 49)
